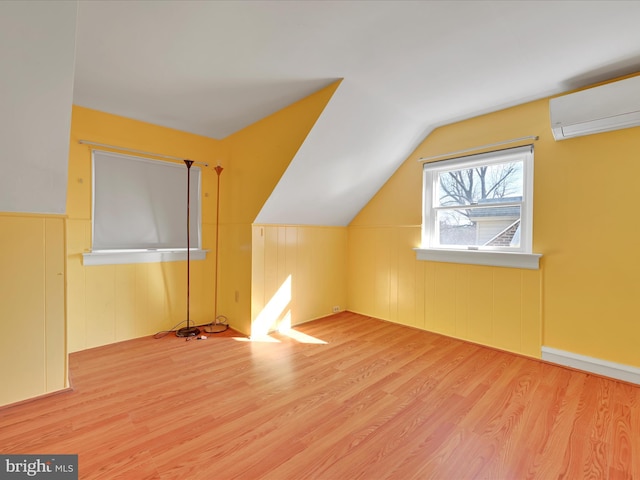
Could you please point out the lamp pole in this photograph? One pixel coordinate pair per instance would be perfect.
(188, 331)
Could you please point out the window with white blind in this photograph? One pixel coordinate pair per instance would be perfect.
(479, 209)
(139, 210)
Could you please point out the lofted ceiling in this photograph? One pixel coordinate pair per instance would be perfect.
(214, 67)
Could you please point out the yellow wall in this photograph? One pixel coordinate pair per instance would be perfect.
(116, 302)
(491, 306)
(32, 344)
(591, 282)
(584, 297)
(298, 274)
(256, 157)
(109, 303)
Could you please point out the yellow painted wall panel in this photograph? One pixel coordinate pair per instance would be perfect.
(76, 310)
(273, 294)
(174, 292)
(405, 289)
(143, 323)
(462, 303)
(257, 268)
(531, 311)
(157, 303)
(291, 268)
(481, 294)
(324, 273)
(31, 296)
(444, 311)
(309, 272)
(420, 316)
(336, 269)
(360, 270)
(55, 332)
(78, 241)
(22, 306)
(307, 278)
(507, 309)
(382, 274)
(271, 277)
(282, 254)
(430, 299)
(79, 184)
(125, 302)
(394, 274)
(234, 295)
(590, 278)
(100, 305)
(303, 281)
(205, 276)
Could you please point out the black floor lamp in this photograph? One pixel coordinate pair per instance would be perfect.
(188, 331)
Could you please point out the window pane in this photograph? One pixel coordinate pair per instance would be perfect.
(492, 226)
(483, 184)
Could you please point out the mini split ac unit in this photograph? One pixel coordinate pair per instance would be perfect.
(598, 109)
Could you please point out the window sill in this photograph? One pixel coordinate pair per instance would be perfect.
(529, 261)
(119, 257)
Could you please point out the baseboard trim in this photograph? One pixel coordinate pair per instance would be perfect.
(618, 371)
(37, 397)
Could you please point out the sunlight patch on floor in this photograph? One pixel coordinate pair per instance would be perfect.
(259, 339)
(302, 337)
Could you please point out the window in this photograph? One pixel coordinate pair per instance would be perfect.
(478, 209)
(140, 210)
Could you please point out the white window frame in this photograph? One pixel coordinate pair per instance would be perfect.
(517, 257)
(150, 252)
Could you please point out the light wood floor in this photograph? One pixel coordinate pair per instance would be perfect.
(377, 401)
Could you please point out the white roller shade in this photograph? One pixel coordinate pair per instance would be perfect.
(142, 204)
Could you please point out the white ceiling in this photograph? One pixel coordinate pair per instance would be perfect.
(37, 42)
(214, 67)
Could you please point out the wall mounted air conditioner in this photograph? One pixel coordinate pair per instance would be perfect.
(598, 109)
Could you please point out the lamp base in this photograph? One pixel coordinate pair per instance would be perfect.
(188, 332)
(215, 328)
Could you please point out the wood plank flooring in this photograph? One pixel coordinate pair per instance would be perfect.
(376, 401)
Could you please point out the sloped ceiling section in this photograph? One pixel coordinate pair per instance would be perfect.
(332, 177)
(37, 42)
(205, 67)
